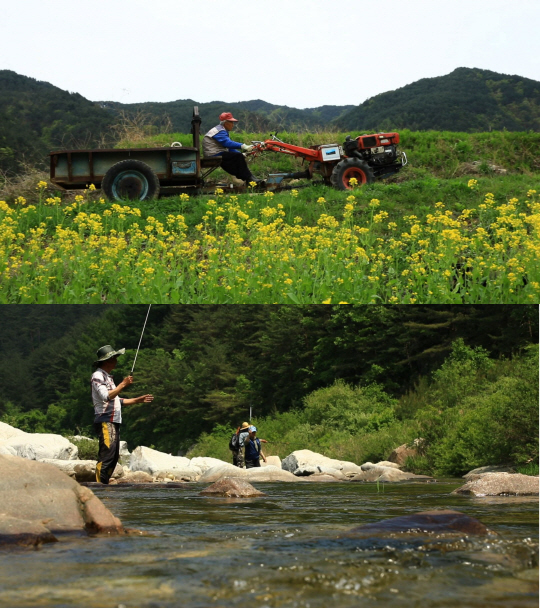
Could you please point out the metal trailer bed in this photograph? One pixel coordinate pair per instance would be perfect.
(134, 173)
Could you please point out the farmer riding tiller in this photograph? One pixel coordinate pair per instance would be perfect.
(366, 158)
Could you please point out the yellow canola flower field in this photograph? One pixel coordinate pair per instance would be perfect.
(90, 253)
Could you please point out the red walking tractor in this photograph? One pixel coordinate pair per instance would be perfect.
(365, 158)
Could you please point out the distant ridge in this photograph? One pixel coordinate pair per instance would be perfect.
(469, 100)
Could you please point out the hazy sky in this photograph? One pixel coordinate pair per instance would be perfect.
(300, 53)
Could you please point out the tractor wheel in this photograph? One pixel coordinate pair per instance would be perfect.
(130, 179)
(345, 170)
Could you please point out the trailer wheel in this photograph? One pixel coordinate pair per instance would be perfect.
(131, 179)
(345, 170)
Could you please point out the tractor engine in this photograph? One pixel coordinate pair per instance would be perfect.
(379, 151)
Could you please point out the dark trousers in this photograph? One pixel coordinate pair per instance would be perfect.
(253, 463)
(235, 164)
(109, 449)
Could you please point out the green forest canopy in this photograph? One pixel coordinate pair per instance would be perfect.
(207, 365)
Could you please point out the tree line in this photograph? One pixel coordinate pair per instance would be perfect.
(208, 364)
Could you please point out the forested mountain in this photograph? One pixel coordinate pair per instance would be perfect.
(207, 365)
(469, 100)
(36, 116)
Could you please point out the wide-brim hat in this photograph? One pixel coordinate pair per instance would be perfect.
(107, 352)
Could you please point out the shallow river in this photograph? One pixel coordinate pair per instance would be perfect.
(283, 551)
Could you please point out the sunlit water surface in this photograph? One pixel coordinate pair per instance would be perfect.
(283, 551)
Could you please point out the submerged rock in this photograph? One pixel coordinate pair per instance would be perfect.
(500, 484)
(439, 522)
(23, 532)
(42, 498)
(232, 488)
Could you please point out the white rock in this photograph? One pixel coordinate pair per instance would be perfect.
(268, 473)
(7, 431)
(274, 461)
(302, 459)
(37, 446)
(387, 463)
(153, 462)
(261, 474)
(81, 470)
(205, 463)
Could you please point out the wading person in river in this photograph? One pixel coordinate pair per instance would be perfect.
(237, 447)
(253, 451)
(108, 410)
(218, 143)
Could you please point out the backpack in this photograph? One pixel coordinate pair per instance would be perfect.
(233, 443)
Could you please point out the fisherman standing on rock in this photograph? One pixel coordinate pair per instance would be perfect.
(108, 410)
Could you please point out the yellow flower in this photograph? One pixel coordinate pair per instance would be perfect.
(41, 185)
(328, 301)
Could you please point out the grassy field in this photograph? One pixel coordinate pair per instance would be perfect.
(444, 230)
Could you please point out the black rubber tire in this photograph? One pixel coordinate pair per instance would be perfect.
(130, 179)
(351, 167)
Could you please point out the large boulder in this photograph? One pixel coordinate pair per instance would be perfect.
(500, 484)
(81, 470)
(442, 522)
(153, 462)
(35, 446)
(400, 454)
(232, 488)
(40, 501)
(306, 462)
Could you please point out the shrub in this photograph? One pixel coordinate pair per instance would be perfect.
(88, 448)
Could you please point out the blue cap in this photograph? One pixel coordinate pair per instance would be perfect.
(253, 429)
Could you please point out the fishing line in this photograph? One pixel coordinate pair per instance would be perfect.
(149, 307)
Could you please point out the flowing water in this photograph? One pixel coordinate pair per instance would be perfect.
(283, 550)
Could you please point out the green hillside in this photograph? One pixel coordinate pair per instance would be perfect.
(470, 100)
(36, 116)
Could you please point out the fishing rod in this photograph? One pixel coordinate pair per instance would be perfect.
(149, 307)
